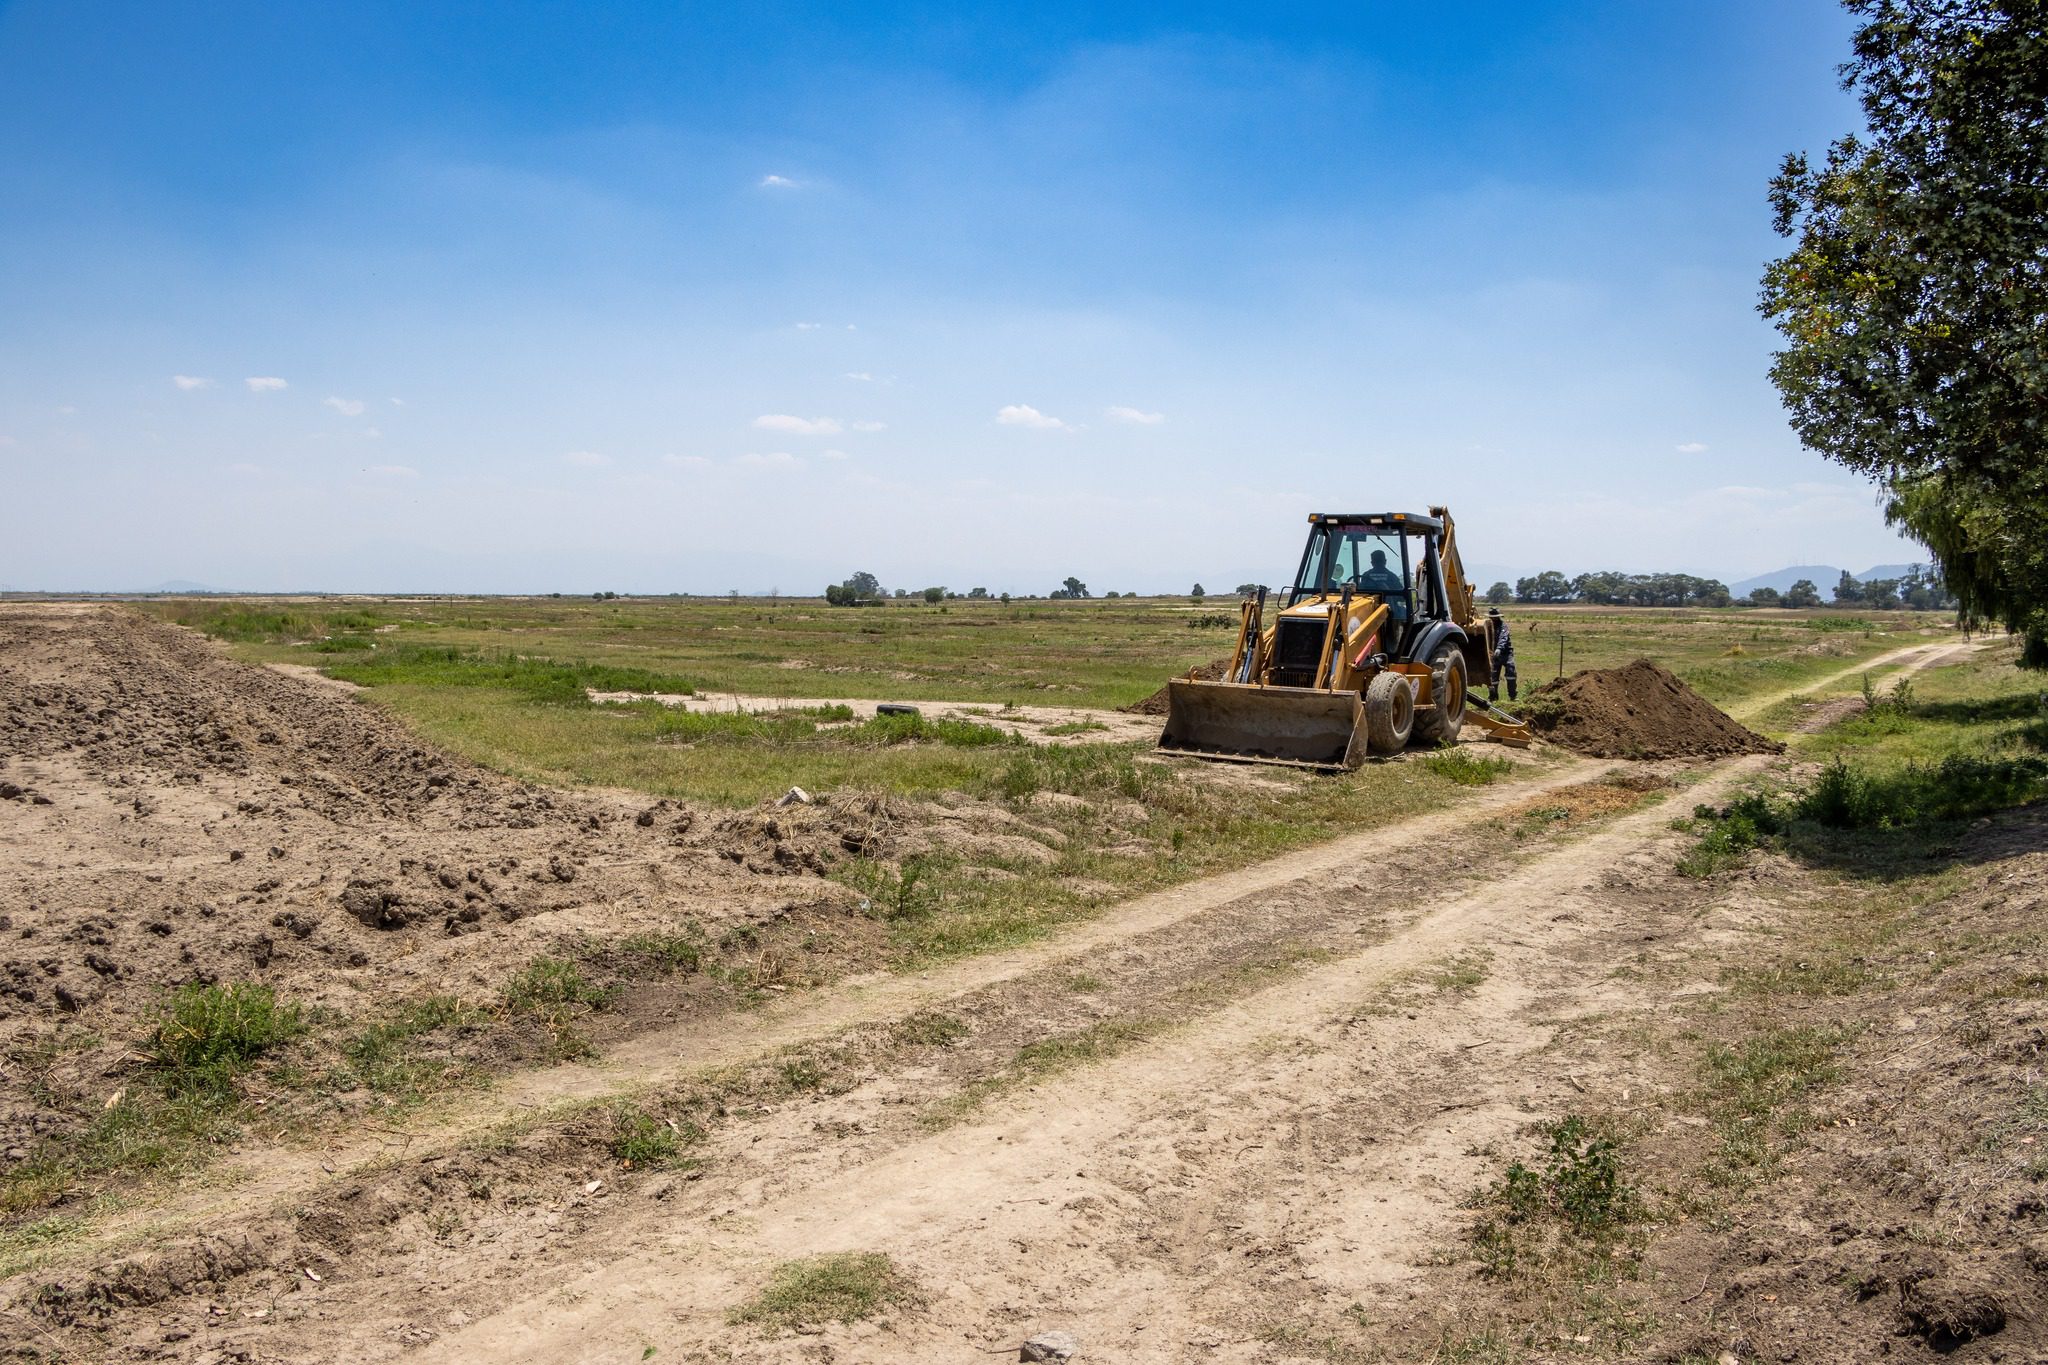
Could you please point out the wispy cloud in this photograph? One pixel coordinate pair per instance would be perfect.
(393, 471)
(799, 426)
(1024, 415)
(862, 375)
(777, 182)
(870, 426)
(264, 383)
(245, 469)
(833, 454)
(1135, 417)
(686, 461)
(586, 459)
(189, 382)
(347, 407)
(809, 326)
(1692, 447)
(773, 459)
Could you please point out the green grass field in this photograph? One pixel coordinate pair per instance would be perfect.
(501, 680)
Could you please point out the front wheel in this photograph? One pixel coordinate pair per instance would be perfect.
(1441, 720)
(1389, 712)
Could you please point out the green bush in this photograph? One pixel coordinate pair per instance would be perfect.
(1958, 787)
(1745, 823)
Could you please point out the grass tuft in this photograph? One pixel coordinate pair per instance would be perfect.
(847, 1287)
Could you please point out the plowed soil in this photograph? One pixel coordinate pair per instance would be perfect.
(1639, 711)
(169, 816)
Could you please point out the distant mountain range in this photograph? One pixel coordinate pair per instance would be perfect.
(1822, 576)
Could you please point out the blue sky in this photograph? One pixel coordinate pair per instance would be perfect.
(671, 297)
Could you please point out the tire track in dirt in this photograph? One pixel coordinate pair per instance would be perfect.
(1122, 1174)
(666, 1056)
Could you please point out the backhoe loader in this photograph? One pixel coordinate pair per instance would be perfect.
(1374, 647)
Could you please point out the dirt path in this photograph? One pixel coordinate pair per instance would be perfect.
(1911, 658)
(660, 1057)
(1037, 724)
(1302, 1140)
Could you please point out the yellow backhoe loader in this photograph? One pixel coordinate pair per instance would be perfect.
(1374, 647)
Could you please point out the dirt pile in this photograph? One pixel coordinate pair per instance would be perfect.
(1639, 711)
(1156, 705)
(168, 815)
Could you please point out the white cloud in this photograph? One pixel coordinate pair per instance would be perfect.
(398, 402)
(1024, 415)
(870, 426)
(393, 471)
(189, 382)
(809, 326)
(686, 461)
(374, 434)
(587, 459)
(1692, 447)
(347, 407)
(264, 383)
(799, 426)
(833, 454)
(777, 182)
(1135, 417)
(245, 469)
(861, 375)
(774, 459)
(67, 411)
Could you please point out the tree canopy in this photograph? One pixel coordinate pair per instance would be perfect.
(1914, 301)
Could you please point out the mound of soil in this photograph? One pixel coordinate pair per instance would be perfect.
(1155, 705)
(1639, 711)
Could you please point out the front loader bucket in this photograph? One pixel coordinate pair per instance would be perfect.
(1241, 723)
(1498, 723)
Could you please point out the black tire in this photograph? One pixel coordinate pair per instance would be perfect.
(1441, 720)
(1389, 712)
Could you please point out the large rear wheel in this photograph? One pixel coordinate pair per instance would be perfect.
(1389, 712)
(1441, 720)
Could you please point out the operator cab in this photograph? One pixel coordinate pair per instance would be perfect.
(1391, 555)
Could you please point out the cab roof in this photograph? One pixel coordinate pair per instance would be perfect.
(1385, 521)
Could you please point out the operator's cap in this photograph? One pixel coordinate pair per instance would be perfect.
(1493, 611)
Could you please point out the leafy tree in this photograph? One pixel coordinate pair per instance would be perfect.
(1247, 589)
(1911, 301)
(1006, 599)
(977, 593)
(934, 595)
(1070, 587)
(1848, 590)
(1548, 586)
(865, 584)
(838, 595)
(1197, 592)
(1500, 594)
(1764, 597)
(1802, 594)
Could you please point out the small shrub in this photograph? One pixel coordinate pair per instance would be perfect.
(556, 989)
(210, 1034)
(1577, 1195)
(383, 1056)
(664, 950)
(1748, 822)
(643, 1141)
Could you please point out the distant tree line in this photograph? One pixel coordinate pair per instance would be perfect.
(1917, 591)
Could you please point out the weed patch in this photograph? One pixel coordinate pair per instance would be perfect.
(848, 1287)
(211, 1033)
(644, 1141)
(1465, 769)
(1568, 1208)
